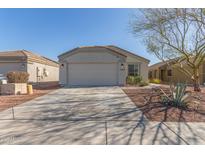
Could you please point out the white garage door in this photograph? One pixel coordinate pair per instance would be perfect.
(92, 74)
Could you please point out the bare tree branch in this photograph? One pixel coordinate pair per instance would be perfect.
(174, 34)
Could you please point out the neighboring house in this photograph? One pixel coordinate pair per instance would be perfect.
(100, 65)
(40, 69)
(167, 72)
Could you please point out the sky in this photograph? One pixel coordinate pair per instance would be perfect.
(50, 32)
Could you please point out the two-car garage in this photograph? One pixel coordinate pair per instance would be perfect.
(92, 74)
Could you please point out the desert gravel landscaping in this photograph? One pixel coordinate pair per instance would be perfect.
(7, 101)
(157, 111)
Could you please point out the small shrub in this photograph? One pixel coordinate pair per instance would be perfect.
(134, 80)
(137, 79)
(130, 80)
(17, 77)
(156, 81)
(143, 83)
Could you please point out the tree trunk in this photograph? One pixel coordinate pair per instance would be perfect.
(196, 80)
(197, 86)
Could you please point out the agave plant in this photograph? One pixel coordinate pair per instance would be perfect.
(179, 97)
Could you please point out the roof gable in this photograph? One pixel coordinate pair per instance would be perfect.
(81, 49)
(163, 63)
(17, 53)
(127, 53)
(26, 56)
(114, 49)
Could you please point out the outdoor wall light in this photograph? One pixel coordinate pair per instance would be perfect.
(122, 66)
(62, 65)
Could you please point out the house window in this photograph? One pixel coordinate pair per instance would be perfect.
(133, 69)
(169, 72)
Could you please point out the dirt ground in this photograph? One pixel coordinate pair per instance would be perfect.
(7, 101)
(157, 111)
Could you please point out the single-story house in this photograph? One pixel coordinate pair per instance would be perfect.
(100, 66)
(40, 69)
(167, 72)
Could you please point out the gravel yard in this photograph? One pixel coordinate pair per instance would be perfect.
(156, 111)
(7, 101)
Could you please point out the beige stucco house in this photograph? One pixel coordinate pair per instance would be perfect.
(40, 69)
(168, 72)
(100, 66)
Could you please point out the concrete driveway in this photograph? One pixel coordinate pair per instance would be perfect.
(97, 115)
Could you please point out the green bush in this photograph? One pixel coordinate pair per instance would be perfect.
(17, 77)
(156, 81)
(134, 80)
(130, 80)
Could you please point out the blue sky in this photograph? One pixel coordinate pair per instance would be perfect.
(50, 32)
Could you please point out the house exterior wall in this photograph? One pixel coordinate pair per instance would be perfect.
(53, 72)
(177, 74)
(6, 67)
(101, 55)
(157, 73)
(92, 56)
(63, 72)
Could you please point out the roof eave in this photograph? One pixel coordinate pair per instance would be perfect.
(67, 52)
(132, 54)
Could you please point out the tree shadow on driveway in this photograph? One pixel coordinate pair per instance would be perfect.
(93, 119)
(93, 129)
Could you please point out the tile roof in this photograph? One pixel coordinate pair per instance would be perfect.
(26, 55)
(163, 63)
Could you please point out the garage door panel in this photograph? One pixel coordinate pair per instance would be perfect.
(92, 74)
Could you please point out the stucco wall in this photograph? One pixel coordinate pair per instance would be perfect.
(153, 73)
(53, 72)
(11, 66)
(178, 75)
(92, 55)
(63, 73)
